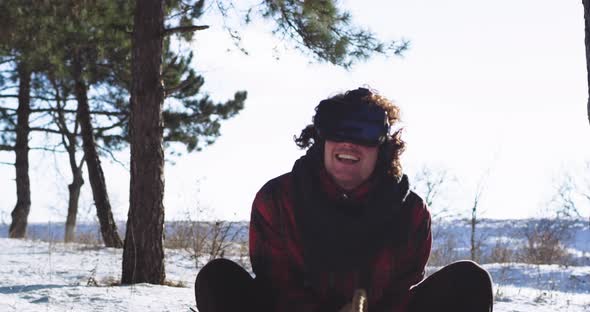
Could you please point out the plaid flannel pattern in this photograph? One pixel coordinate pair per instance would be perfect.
(277, 257)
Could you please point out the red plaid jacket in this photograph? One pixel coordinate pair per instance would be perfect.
(277, 258)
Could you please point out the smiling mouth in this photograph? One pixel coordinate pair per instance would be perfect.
(347, 158)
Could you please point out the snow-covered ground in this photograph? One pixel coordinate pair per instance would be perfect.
(43, 276)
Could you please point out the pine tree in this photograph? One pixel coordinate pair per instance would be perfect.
(23, 39)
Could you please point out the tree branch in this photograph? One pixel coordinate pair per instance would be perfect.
(183, 29)
(8, 87)
(7, 118)
(6, 148)
(45, 130)
(73, 111)
(174, 89)
(6, 115)
(122, 28)
(8, 60)
(113, 158)
(104, 99)
(53, 150)
(115, 125)
(36, 97)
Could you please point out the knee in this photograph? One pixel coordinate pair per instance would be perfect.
(221, 285)
(216, 265)
(472, 273)
(218, 268)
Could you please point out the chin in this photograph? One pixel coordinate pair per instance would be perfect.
(347, 184)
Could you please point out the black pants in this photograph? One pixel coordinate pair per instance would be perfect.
(224, 286)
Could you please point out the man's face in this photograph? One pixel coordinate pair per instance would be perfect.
(349, 164)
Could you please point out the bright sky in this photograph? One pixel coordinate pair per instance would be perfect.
(487, 86)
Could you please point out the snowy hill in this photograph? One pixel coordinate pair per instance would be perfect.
(49, 276)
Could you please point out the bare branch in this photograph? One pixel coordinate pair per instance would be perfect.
(45, 130)
(565, 193)
(8, 87)
(113, 126)
(7, 118)
(37, 97)
(47, 149)
(431, 183)
(113, 158)
(41, 118)
(73, 111)
(6, 115)
(6, 148)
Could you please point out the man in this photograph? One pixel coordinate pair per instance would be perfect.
(343, 221)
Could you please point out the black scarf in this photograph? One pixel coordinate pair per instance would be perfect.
(339, 236)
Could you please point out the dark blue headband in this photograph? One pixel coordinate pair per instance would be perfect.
(352, 119)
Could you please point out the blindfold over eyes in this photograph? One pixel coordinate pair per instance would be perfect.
(351, 120)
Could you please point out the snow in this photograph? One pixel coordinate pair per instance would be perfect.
(48, 276)
(41, 276)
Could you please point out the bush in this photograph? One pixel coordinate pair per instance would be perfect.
(544, 242)
(187, 235)
(209, 239)
(445, 248)
(502, 252)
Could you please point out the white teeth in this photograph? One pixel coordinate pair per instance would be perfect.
(346, 156)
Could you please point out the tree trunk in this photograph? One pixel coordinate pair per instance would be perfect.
(20, 214)
(74, 191)
(70, 142)
(586, 4)
(474, 245)
(108, 227)
(473, 248)
(143, 255)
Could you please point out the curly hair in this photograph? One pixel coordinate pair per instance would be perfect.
(389, 152)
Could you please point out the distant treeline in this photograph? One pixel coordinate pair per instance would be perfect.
(538, 241)
(54, 231)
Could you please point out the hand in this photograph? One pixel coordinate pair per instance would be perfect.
(358, 304)
(359, 301)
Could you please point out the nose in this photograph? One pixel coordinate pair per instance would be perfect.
(348, 145)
